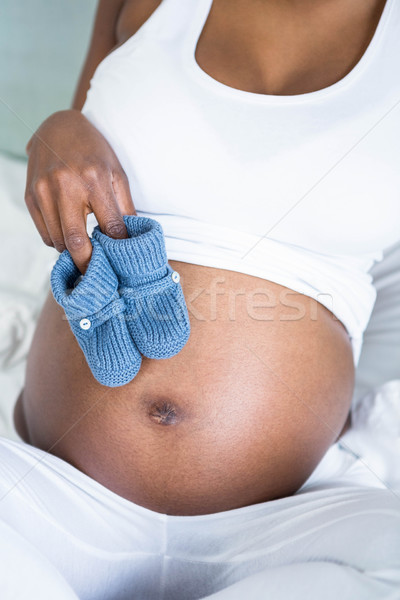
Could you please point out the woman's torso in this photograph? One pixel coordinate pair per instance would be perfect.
(246, 410)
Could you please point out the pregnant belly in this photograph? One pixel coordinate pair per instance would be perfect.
(241, 415)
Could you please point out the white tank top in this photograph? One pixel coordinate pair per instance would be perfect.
(301, 190)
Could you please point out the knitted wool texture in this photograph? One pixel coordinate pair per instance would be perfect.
(156, 312)
(94, 311)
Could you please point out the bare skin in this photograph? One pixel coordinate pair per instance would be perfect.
(248, 408)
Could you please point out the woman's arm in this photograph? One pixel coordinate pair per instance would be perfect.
(72, 170)
(107, 26)
(103, 40)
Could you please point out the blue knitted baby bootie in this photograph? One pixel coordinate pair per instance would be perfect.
(95, 314)
(156, 312)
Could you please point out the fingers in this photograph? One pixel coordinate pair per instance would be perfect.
(75, 237)
(52, 221)
(37, 218)
(108, 214)
(122, 193)
(36, 213)
(103, 202)
(60, 223)
(59, 207)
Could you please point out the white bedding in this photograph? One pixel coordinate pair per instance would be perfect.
(25, 266)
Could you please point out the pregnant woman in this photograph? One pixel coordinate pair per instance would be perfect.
(263, 137)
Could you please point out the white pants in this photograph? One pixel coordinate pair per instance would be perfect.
(338, 537)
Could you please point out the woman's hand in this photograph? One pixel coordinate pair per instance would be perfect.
(73, 171)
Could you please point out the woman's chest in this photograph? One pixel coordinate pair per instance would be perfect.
(271, 48)
(321, 175)
(309, 169)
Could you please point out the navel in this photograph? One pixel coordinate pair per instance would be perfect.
(164, 412)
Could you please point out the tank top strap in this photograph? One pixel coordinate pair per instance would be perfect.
(165, 20)
(177, 19)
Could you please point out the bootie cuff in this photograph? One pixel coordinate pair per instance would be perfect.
(142, 257)
(95, 290)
